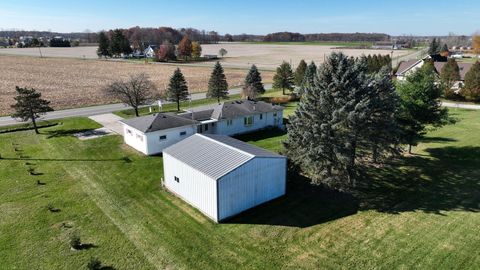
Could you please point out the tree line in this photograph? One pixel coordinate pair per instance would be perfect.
(346, 37)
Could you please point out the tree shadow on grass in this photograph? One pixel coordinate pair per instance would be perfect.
(447, 180)
(64, 132)
(304, 205)
(262, 134)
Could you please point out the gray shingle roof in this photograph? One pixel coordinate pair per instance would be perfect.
(215, 155)
(232, 109)
(159, 121)
(198, 115)
(405, 65)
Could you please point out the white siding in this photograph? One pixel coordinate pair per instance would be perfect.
(135, 138)
(194, 187)
(238, 125)
(257, 181)
(156, 146)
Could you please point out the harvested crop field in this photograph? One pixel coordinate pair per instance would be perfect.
(269, 56)
(71, 82)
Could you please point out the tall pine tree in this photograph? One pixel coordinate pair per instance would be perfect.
(324, 130)
(420, 105)
(434, 47)
(217, 85)
(472, 83)
(283, 78)
(449, 74)
(300, 73)
(177, 90)
(30, 105)
(253, 81)
(103, 45)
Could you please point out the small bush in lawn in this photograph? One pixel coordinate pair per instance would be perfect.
(94, 264)
(52, 209)
(75, 242)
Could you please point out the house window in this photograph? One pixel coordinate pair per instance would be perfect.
(261, 116)
(248, 121)
(140, 137)
(163, 137)
(229, 122)
(275, 114)
(176, 179)
(183, 133)
(213, 124)
(129, 132)
(206, 127)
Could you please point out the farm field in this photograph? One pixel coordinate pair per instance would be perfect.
(420, 213)
(72, 83)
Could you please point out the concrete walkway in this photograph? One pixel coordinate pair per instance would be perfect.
(109, 121)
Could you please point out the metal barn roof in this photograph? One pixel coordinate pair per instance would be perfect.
(215, 155)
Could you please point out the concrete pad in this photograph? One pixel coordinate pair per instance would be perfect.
(93, 134)
(109, 121)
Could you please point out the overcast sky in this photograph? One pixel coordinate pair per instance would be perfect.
(419, 17)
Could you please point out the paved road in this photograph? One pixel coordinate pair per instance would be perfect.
(461, 105)
(101, 109)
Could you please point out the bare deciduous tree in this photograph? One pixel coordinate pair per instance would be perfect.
(136, 91)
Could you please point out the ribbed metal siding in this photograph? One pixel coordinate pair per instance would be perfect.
(255, 182)
(194, 187)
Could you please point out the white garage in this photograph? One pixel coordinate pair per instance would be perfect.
(222, 176)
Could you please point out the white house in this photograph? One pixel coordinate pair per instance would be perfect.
(152, 133)
(222, 176)
(149, 52)
(236, 117)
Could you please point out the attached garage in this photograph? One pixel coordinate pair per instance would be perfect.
(222, 176)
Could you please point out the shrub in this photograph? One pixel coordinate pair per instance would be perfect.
(75, 242)
(94, 264)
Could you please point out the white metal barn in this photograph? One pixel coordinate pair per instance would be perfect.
(222, 176)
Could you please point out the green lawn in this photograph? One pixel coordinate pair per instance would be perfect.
(422, 212)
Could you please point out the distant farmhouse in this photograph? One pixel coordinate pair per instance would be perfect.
(408, 67)
(150, 51)
(153, 133)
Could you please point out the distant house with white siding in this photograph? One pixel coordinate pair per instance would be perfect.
(150, 51)
(222, 176)
(151, 134)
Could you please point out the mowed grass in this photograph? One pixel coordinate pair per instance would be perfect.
(421, 212)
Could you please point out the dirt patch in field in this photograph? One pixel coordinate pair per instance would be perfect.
(75, 82)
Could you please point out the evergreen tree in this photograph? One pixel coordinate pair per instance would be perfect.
(177, 90)
(308, 78)
(103, 45)
(284, 77)
(472, 83)
(30, 105)
(444, 51)
(253, 80)
(449, 74)
(217, 85)
(382, 131)
(196, 50)
(419, 105)
(119, 43)
(300, 72)
(434, 47)
(185, 48)
(329, 121)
